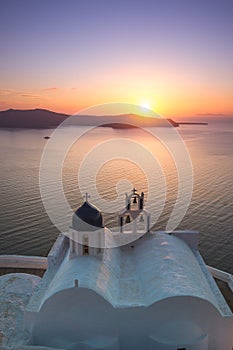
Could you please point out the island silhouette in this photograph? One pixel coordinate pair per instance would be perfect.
(45, 119)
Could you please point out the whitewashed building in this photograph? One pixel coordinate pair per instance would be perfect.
(153, 293)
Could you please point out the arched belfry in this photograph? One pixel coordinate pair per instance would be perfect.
(87, 233)
(134, 218)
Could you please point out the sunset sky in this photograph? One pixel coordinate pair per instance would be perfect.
(175, 56)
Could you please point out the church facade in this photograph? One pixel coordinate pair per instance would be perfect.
(133, 289)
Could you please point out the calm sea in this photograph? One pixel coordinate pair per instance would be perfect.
(25, 227)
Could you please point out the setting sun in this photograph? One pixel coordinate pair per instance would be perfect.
(145, 105)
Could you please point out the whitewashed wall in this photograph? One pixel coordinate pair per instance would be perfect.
(76, 317)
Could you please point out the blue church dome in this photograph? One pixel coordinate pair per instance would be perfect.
(87, 218)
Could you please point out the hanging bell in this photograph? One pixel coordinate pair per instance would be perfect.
(141, 218)
(135, 200)
(127, 221)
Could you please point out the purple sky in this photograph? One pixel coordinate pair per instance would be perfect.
(175, 56)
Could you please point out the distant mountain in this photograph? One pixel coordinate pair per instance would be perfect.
(30, 118)
(44, 119)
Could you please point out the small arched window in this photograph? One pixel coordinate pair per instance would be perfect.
(85, 243)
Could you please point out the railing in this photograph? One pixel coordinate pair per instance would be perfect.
(222, 275)
(22, 261)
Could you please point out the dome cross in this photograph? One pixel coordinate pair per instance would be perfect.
(86, 197)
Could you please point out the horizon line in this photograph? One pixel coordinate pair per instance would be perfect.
(202, 114)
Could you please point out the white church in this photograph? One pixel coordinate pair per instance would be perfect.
(133, 289)
(127, 290)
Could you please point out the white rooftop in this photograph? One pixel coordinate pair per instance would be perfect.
(155, 267)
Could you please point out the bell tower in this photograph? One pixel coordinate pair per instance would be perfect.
(134, 218)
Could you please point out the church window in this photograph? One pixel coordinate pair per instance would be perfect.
(85, 250)
(85, 245)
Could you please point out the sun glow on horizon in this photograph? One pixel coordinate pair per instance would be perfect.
(145, 105)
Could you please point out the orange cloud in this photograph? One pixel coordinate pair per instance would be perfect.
(30, 95)
(50, 89)
(8, 91)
